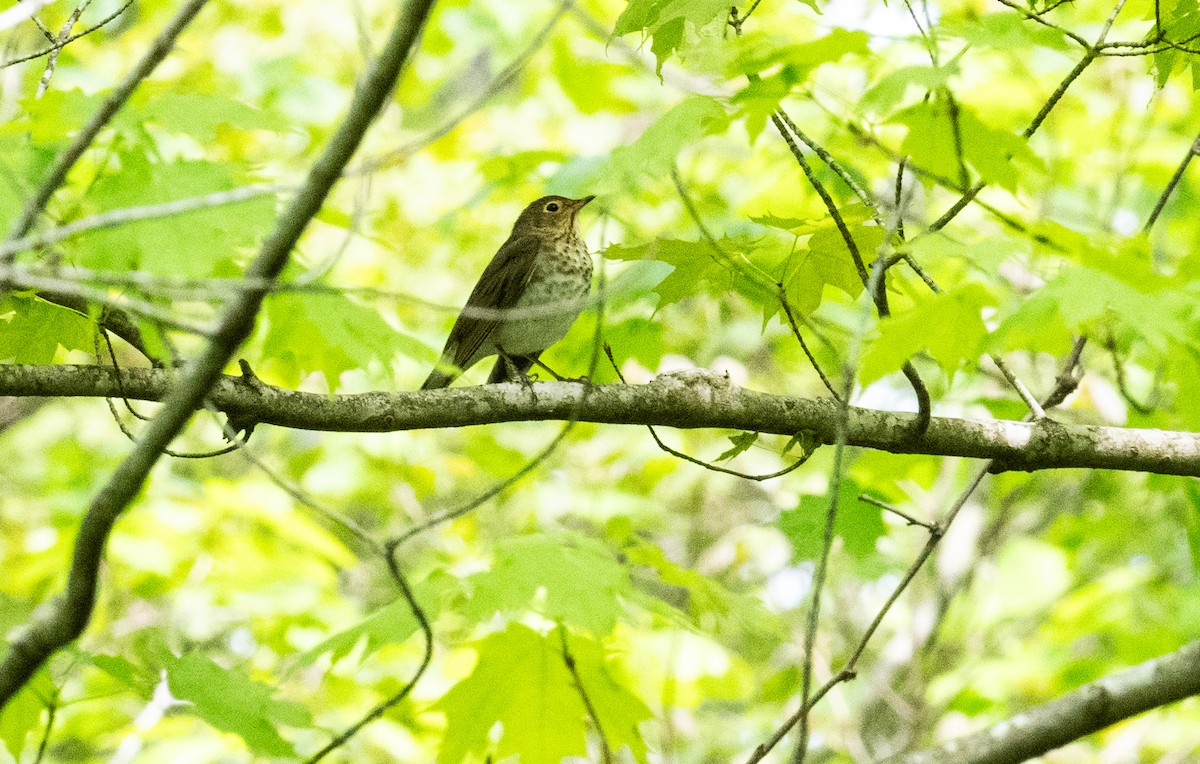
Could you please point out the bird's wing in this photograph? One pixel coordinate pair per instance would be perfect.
(501, 285)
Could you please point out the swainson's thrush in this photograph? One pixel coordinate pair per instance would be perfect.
(527, 298)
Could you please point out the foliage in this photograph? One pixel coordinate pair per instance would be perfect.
(616, 597)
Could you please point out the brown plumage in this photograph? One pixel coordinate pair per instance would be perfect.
(527, 298)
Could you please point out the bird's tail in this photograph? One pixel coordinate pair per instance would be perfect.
(443, 373)
(439, 378)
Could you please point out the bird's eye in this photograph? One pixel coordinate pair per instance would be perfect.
(552, 207)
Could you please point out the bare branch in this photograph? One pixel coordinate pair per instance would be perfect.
(686, 400)
(63, 43)
(1157, 682)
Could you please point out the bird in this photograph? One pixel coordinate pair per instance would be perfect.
(542, 271)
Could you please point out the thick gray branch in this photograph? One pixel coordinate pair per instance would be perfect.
(685, 400)
(1094, 706)
(64, 620)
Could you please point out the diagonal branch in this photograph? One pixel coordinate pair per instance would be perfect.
(1038, 730)
(65, 619)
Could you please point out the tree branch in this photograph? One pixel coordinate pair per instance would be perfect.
(65, 619)
(1094, 706)
(686, 400)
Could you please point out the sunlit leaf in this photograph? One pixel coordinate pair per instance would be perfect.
(581, 580)
(228, 699)
(541, 715)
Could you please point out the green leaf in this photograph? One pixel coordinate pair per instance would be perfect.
(127, 673)
(949, 325)
(56, 115)
(857, 523)
(654, 152)
(521, 682)
(619, 710)
(331, 334)
(582, 582)
(667, 39)
(664, 21)
(198, 114)
(23, 712)
(390, 624)
(741, 443)
(890, 90)
(190, 244)
(692, 263)
(1191, 521)
(826, 260)
(32, 330)
(762, 51)
(231, 701)
(830, 256)
(931, 143)
(797, 61)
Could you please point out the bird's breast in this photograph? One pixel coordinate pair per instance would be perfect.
(552, 300)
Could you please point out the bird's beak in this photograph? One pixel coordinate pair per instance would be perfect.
(580, 203)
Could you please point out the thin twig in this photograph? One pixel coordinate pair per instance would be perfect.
(498, 84)
(64, 33)
(1035, 408)
(700, 462)
(126, 215)
(1193, 150)
(868, 499)
(606, 754)
(878, 274)
(426, 658)
(1110, 345)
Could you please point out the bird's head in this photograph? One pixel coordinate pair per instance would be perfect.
(550, 214)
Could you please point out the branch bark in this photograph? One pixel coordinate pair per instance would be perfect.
(1094, 706)
(63, 620)
(687, 400)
